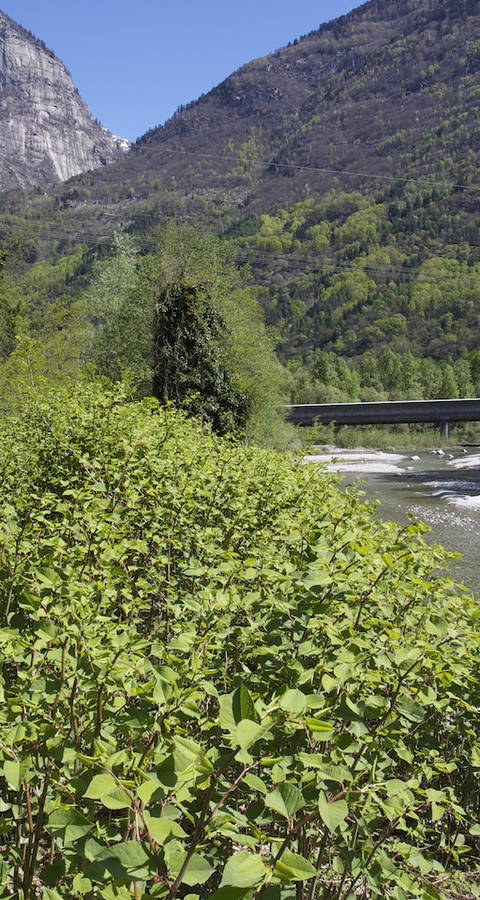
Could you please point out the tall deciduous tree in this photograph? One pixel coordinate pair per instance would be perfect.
(119, 336)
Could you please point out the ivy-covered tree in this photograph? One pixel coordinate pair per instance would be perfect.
(179, 320)
(188, 365)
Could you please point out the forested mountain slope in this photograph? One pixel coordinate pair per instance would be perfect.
(344, 168)
(47, 134)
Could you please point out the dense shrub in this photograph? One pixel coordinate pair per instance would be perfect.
(221, 676)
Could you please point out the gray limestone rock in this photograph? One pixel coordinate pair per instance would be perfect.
(47, 133)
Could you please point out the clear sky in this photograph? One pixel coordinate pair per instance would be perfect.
(135, 61)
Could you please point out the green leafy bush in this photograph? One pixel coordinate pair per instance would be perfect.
(221, 676)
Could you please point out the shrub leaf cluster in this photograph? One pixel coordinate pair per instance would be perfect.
(221, 676)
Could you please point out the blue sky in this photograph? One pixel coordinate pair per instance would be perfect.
(135, 61)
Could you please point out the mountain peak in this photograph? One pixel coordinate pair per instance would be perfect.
(47, 133)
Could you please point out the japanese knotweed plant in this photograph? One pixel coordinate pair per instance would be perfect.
(221, 676)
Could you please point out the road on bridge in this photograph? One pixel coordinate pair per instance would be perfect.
(439, 412)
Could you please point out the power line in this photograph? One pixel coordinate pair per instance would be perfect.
(425, 180)
(403, 274)
(412, 274)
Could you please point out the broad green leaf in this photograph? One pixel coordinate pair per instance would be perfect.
(420, 862)
(186, 754)
(286, 799)
(124, 861)
(82, 885)
(12, 770)
(167, 674)
(147, 789)
(93, 849)
(226, 718)
(243, 870)
(116, 800)
(293, 702)
(329, 683)
(403, 753)
(189, 756)
(438, 812)
(247, 733)
(255, 783)
(100, 786)
(317, 579)
(293, 867)
(374, 706)
(198, 870)
(394, 786)
(475, 756)
(278, 774)
(242, 705)
(317, 701)
(160, 828)
(333, 813)
(411, 710)
(327, 771)
(69, 824)
(165, 777)
(161, 692)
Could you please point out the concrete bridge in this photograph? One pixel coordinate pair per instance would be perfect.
(438, 412)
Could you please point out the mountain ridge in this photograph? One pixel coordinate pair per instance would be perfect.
(274, 104)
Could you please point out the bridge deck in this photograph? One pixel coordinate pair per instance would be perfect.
(441, 412)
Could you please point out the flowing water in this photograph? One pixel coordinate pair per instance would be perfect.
(441, 490)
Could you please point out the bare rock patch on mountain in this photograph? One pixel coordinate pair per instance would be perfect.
(47, 133)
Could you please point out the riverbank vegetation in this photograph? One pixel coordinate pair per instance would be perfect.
(222, 677)
(390, 437)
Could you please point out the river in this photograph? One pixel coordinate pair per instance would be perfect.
(441, 490)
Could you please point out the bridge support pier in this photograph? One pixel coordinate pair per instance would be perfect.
(445, 430)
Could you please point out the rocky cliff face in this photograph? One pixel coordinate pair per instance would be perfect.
(47, 133)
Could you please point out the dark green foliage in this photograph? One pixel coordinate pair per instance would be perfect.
(325, 377)
(8, 311)
(188, 365)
